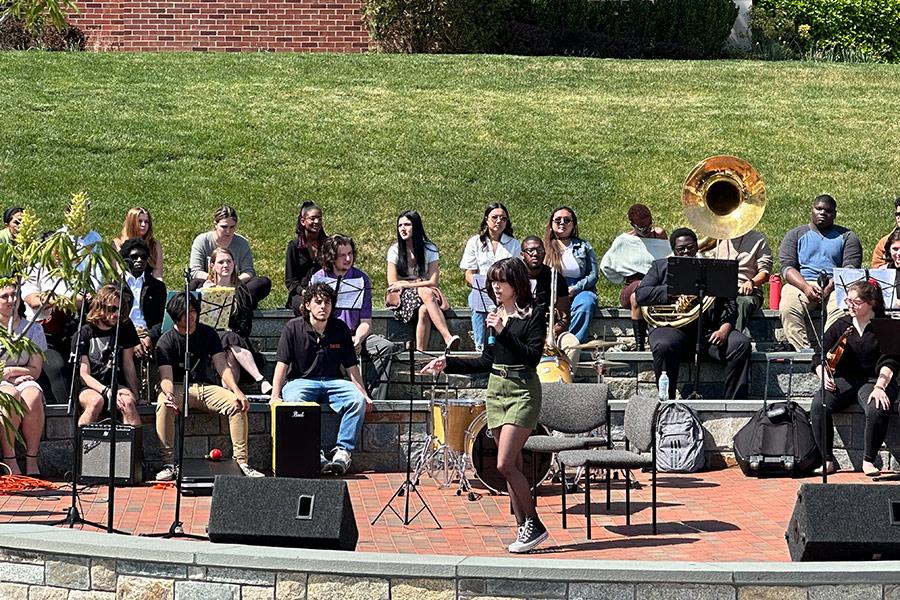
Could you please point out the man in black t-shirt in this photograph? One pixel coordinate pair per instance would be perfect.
(96, 354)
(204, 393)
(312, 349)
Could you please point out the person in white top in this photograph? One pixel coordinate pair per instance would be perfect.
(494, 241)
(413, 271)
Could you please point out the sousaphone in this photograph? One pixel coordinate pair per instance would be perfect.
(723, 197)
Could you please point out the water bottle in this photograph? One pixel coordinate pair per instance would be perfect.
(664, 387)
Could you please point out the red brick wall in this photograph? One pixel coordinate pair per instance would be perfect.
(224, 25)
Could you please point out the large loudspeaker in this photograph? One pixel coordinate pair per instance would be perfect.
(845, 522)
(93, 454)
(296, 435)
(297, 513)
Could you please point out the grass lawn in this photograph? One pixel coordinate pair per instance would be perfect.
(369, 135)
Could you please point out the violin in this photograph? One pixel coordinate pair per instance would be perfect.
(833, 356)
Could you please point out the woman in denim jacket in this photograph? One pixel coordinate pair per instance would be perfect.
(577, 262)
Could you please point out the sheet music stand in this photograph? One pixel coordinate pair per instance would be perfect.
(483, 302)
(886, 279)
(702, 277)
(349, 292)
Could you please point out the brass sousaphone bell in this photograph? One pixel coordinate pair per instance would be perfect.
(723, 197)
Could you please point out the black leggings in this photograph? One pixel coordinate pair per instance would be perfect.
(848, 392)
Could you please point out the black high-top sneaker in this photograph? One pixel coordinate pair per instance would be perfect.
(531, 534)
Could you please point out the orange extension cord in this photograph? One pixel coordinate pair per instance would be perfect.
(11, 484)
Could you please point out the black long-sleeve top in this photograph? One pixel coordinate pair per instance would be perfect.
(654, 290)
(299, 266)
(862, 358)
(241, 319)
(520, 343)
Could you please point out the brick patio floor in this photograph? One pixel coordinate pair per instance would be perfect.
(714, 516)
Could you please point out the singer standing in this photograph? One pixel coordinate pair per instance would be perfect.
(808, 255)
(517, 330)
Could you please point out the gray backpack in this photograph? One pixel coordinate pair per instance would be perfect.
(679, 439)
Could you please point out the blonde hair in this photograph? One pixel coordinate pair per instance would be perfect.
(131, 229)
(211, 274)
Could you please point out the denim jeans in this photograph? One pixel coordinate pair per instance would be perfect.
(584, 305)
(478, 327)
(342, 396)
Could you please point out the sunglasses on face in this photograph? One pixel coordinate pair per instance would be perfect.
(534, 251)
(562, 220)
(498, 218)
(137, 256)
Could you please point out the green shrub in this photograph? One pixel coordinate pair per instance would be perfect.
(14, 35)
(829, 29)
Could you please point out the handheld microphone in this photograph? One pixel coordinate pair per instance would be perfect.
(492, 333)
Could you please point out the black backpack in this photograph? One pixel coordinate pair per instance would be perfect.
(778, 439)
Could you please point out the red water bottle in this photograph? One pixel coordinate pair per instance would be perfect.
(774, 291)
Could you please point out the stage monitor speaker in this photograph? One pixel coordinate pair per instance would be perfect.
(93, 455)
(296, 439)
(845, 522)
(296, 513)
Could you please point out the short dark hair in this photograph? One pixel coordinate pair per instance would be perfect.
(897, 202)
(681, 232)
(132, 243)
(176, 307)
(514, 272)
(825, 199)
(533, 238)
(330, 249)
(11, 212)
(317, 290)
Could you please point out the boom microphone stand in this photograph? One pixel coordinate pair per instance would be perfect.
(112, 407)
(177, 527)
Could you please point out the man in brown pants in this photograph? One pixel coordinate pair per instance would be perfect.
(204, 394)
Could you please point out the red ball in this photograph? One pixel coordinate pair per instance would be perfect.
(215, 454)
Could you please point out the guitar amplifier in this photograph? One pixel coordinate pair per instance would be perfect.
(93, 454)
(296, 434)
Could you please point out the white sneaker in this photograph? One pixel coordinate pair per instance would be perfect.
(340, 462)
(167, 473)
(519, 530)
(250, 471)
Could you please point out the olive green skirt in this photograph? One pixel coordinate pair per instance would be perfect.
(513, 400)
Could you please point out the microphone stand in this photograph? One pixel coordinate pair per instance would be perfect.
(177, 527)
(112, 407)
(823, 308)
(73, 515)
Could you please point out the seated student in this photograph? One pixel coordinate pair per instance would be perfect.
(312, 349)
(541, 277)
(147, 294)
(236, 339)
(576, 260)
(203, 394)
(413, 272)
(97, 343)
(338, 258)
(19, 379)
(223, 235)
(754, 259)
(672, 345)
(139, 224)
(629, 258)
(880, 257)
(12, 218)
(494, 242)
(304, 253)
(806, 253)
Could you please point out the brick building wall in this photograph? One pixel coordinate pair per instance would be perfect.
(224, 25)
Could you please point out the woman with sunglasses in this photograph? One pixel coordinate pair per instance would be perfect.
(575, 260)
(240, 352)
(494, 241)
(304, 253)
(514, 391)
(95, 358)
(139, 224)
(12, 218)
(19, 379)
(864, 376)
(413, 272)
(224, 235)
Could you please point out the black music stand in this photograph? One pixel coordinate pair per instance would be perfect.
(701, 277)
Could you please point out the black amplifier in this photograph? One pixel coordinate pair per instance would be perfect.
(93, 454)
(296, 433)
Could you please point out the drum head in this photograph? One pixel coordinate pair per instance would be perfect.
(484, 460)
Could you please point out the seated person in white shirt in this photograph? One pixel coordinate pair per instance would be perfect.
(148, 293)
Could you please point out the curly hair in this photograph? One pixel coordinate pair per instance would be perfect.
(319, 291)
(106, 304)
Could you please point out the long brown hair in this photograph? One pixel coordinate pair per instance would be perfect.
(886, 250)
(103, 303)
(211, 274)
(131, 229)
(552, 248)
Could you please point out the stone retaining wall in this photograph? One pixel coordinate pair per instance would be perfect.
(39, 562)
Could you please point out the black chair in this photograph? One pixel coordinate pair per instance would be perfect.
(640, 428)
(570, 408)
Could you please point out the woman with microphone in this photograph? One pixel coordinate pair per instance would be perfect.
(515, 343)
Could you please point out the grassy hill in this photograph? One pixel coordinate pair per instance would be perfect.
(369, 135)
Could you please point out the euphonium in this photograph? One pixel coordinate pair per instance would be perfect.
(723, 198)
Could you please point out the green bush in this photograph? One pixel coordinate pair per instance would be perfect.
(451, 26)
(840, 29)
(609, 28)
(15, 35)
